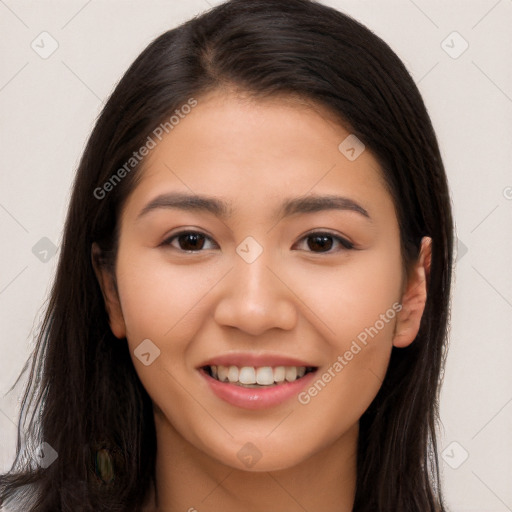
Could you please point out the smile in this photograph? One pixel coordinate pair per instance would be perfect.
(256, 382)
(257, 377)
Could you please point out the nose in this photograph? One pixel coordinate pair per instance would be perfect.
(255, 298)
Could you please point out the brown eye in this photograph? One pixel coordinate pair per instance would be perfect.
(320, 243)
(191, 241)
(323, 242)
(188, 241)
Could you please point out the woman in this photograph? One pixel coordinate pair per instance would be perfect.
(250, 308)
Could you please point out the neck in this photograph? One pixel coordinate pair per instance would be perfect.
(188, 480)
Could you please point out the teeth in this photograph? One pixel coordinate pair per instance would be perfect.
(279, 373)
(247, 375)
(265, 376)
(291, 373)
(254, 377)
(233, 374)
(222, 373)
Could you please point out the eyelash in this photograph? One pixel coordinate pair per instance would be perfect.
(346, 245)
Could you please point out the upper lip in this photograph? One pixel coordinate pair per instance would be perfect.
(255, 360)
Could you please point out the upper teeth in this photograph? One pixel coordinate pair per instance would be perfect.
(264, 375)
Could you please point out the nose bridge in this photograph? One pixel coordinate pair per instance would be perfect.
(253, 298)
(254, 279)
(255, 284)
(251, 270)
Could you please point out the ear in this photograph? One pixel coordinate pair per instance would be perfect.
(110, 295)
(414, 297)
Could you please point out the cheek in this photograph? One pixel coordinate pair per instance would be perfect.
(166, 304)
(160, 300)
(351, 296)
(357, 303)
(362, 317)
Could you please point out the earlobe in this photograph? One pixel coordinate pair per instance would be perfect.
(110, 295)
(414, 298)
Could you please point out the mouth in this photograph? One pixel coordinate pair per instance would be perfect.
(255, 381)
(257, 377)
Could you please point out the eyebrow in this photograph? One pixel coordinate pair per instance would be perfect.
(213, 205)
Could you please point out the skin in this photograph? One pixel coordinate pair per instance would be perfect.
(292, 300)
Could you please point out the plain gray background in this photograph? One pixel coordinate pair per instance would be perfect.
(49, 106)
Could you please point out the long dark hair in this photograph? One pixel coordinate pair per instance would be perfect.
(84, 398)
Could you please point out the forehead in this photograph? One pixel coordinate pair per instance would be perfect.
(249, 150)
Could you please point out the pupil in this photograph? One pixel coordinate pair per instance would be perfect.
(194, 241)
(322, 242)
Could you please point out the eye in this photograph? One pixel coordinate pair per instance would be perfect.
(321, 242)
(189, 241)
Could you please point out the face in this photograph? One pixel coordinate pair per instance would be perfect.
(285, 280)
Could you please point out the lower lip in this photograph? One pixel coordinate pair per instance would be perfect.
(254, 398)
